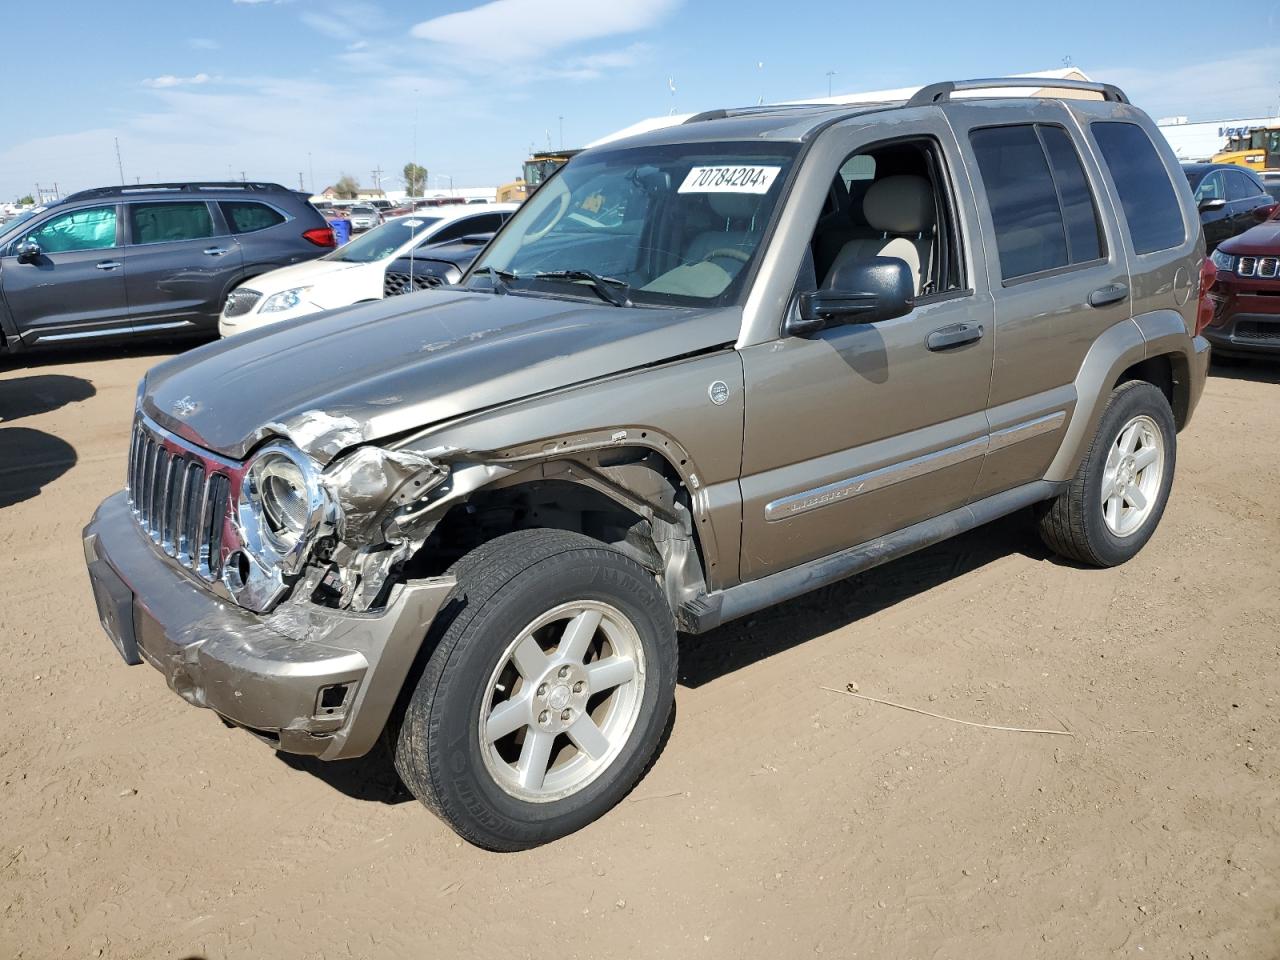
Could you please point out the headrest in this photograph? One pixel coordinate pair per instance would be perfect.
(734, 206)
(899, 204)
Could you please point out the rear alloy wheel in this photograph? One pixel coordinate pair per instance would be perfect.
(549, 685)
(1112, 506)
(1133, 476)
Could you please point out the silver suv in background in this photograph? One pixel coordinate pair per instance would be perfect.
(700, 371)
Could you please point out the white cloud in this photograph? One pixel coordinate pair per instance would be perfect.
(1243, 85)
(169, 80)
(203, 43)
(527, 29)
(346, 22)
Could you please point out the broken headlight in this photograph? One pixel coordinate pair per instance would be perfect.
(282, 506)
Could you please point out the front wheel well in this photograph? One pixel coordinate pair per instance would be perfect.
(630, 499)
(1170, 374)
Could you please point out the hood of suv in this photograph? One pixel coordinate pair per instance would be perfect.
(1262, 240)
(377, 369)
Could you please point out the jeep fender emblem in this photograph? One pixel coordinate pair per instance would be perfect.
(718, 392)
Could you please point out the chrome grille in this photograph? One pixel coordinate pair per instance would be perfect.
(395, 284)
(178, 499)
(240, 302)
(1265, 267)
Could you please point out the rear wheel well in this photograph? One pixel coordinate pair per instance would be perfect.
(1168, 372)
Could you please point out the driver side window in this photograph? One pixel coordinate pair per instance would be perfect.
(93, 228)
(1211, 188)
(891, 200)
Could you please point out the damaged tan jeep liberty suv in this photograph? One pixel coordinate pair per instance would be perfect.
(700, 371)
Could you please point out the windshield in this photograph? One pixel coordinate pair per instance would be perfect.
(382, 241)
(671, 224)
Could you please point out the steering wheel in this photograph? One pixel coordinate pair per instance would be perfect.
(539, 234)
(731, 253)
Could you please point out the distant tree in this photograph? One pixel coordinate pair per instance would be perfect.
(26, 201)
(346, 188)
(415, 179)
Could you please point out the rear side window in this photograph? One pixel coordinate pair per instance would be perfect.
(1240, 187)
(245, 216)
(1041, 206)
(1146, 193)
(167, 222)
(486, 223)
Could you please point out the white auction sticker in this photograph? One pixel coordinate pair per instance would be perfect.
(729, 180)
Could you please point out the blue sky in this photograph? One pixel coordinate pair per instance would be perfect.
(194, 89)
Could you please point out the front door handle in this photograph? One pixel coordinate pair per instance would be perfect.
(1111, 293)
(215, 251)
(108, 264)
(954, 335)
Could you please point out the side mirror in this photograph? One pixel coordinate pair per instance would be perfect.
(28, 251)
(1211, 203)
(862, 291)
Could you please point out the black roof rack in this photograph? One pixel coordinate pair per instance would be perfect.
(941, 92)
(193, 187)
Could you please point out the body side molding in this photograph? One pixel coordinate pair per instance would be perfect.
(710, 611)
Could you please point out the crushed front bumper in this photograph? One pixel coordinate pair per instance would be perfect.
(306, 679)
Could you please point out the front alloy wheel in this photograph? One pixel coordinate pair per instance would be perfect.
(548, 688)
(563, 701)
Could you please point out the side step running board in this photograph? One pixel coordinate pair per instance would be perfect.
(710, 611)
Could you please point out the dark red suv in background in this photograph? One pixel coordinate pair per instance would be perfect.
(1246, 294)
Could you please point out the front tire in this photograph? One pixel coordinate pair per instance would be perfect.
(1115, 501)
(546, 694)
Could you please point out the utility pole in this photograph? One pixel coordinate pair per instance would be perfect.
(377, 177)
(830, 74)
(119, 163)
(243, 178)
(301, 187)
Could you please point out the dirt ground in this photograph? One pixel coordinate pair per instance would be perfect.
(781, 820)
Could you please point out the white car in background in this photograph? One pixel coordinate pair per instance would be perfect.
(353, 272)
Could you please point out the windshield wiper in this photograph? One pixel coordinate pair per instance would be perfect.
(609, 289)
(500, 277)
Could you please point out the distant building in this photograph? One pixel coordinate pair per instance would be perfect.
(1202, 139)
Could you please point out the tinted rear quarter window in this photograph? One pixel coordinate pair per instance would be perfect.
(245, 216)
(1146, 193)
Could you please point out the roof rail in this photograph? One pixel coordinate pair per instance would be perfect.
(192, 187)
(941, 92)
(760, 109)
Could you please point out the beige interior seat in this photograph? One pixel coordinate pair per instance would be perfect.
(735, 212)
(901, 209)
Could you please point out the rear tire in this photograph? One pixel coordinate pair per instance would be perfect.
(1113, 504)
(552, 650)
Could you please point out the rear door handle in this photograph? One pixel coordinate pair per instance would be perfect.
(215, 251)
(108, 264)
(954, 335)
(1111, 293)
